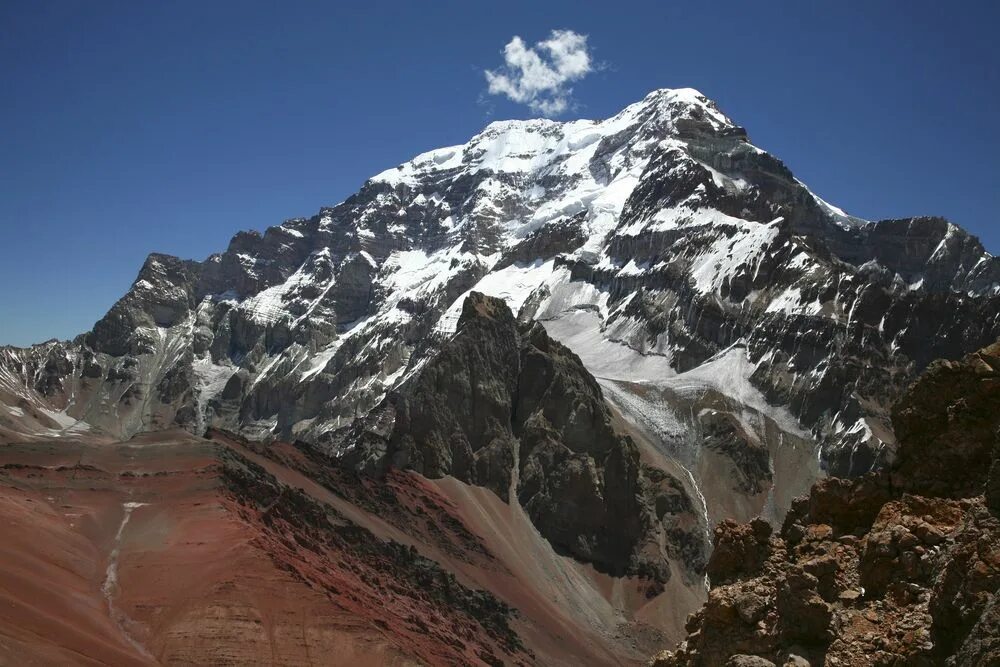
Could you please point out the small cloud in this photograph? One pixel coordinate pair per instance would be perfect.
(539, 76)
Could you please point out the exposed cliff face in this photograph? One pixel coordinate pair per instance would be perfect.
(503, 405)
(674, 235)
(892, 568)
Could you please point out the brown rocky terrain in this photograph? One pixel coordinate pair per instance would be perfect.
(893, 568)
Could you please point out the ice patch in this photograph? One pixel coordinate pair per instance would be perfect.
(580, 331)
(61, 418)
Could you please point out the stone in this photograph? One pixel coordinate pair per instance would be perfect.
(738, 550)
(794, 660)
(748, 661)
(866, 571)
(956, 403)
(805, 616)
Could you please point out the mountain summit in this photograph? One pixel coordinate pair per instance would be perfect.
(725, 309)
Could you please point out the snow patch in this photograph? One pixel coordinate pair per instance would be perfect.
(513, 284)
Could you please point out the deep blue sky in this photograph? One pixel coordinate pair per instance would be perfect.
(131, 127)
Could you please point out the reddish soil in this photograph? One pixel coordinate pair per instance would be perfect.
(193, 584)
(170, 549)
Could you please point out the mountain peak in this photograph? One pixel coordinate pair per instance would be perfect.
(540, 145)
(469, 312)
(691, 96)
(684, 103)
(650, 238)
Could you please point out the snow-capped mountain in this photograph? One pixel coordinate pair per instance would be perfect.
(752, 332)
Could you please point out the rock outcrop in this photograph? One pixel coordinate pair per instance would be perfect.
(949, 424)
(504, 406)
(894, 568)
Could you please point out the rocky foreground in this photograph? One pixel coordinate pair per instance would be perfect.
(894, 568)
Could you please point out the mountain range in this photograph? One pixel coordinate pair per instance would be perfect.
(588, 341)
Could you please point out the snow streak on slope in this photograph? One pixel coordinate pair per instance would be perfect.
(110, 587)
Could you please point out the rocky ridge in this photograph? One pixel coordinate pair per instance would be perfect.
(733, 319)
(433, 614)
(504, 406)
(899, 567)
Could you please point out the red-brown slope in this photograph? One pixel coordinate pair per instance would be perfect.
(51, 610)
(170, 549)
(146, 552)
(568, 612)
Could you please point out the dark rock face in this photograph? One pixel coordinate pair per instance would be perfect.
(950, 422)
(504, 406)
(161, 297)
(847, 506)
(352, 292)
(751, 460)
(928, 248)
(805, 616)
(890, 555)
(549, 241)
(455, 418)
(982, 646)
(574, 465)
(964, 595)
(865, 571)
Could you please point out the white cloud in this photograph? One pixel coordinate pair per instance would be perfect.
(539, 76)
